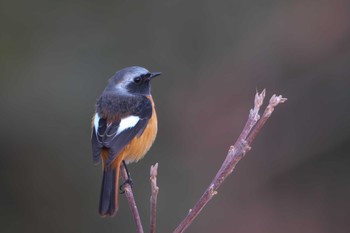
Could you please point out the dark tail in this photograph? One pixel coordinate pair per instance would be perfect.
(109, 194)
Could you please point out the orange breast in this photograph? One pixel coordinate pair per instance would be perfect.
(139, 146)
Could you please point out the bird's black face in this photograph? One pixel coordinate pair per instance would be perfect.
(140, 85)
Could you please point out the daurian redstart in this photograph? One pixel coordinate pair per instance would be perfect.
(123, 128)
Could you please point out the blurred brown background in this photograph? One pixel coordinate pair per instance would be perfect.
(56, 58)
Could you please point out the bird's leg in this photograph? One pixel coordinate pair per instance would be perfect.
(127, 181)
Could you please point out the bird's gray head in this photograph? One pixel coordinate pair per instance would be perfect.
(132, 80)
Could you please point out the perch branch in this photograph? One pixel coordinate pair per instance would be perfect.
(234, 155)
(131, 200)
(153, 199)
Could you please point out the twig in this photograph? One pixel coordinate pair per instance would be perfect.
(153, 199)
(130, 196)
(234, 155)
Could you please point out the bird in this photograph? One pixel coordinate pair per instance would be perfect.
(124, 127)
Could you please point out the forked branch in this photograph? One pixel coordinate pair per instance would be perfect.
(234, 155)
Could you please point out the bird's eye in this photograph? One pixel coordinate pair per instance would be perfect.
(137, 80)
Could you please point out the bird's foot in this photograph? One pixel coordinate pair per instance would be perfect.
(122, 187)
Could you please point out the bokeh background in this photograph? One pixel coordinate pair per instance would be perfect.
(56, 58)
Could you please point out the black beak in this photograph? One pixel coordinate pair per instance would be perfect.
(154, 74)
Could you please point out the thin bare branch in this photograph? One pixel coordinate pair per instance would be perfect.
(234, 155)
(154, 195)
(131, 200)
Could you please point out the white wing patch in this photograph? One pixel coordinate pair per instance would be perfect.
(96, 120)
(127, 122)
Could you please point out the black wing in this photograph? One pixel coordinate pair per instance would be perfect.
(106, 135)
